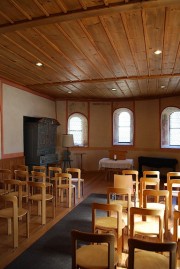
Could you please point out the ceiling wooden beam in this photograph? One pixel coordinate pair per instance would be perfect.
(80, 14)
(169, 76)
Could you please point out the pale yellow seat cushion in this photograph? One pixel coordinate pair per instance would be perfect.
(149, 260)
(108, 222)
(147, 228)
(94, 256)
(124, 203)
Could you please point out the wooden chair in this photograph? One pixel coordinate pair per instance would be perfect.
(39, 168)
(64, 184)
(114, 197)
(145, 183)
(109, 223)
(40, 196)
(76, 178)
(135, 174)
(38, 176)
(23, 175)
(144, 254)
(163, 194)
(15, 187)
(52, 170)
(4, 174)
(149, 173)
(123, 181)
(97, 250)
(22, 167)
(171, 184)
(153, 227)
(12, 214)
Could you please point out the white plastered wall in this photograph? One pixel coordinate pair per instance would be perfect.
(17, 103)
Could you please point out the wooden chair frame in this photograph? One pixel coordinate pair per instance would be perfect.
(90, 238)
(41, 198)
(158, 193)
(147, 212)
(13, 213)
(154, 247)
(144, 182)
(135, 182)
(77, 179)
(63, 183)
(109, 226)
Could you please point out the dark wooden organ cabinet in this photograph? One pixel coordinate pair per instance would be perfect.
(40, 135)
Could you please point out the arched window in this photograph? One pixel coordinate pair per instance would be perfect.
(170, 127)
(78, 126)
(123, 127)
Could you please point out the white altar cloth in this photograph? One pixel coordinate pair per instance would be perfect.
(121, 164)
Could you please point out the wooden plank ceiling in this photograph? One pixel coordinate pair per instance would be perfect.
(89, 47)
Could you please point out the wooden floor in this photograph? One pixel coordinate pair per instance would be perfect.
(95, 182)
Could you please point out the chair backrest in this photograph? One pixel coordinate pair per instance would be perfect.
(90, 238)
(111, 191)
(123, 181)
(22, 175)
(135, 178)
(135, 244)
(173, 175)
(172, 183)
(39, 168)
(41, 186)
(5, 174)
(159, 194)
(176, 218)
(143, 212)
(144, 183)
(63, 178)
(52, 170)
(149, 173)
(109, 209)
(22, 167)
(73, 171)
(38, 176)
(12, 185)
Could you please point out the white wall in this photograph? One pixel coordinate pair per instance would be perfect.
(17, 103)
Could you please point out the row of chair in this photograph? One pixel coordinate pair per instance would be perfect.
(113, 223)
(34, 187)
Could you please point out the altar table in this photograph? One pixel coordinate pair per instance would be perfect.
(112, 165)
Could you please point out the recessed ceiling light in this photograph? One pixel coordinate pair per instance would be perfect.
(69, 91)
(113, 89)
(158, 52)
(162, 86)
(39, 64)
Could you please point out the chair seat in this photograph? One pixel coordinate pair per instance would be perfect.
(124, 203)
(65, 186)
(108, 223)
(94, 256)
(38, 197)
(8, 212)
(15, 193)
(149, 260)
(147, 228)
(155, 206)
(178, 231)
(75, 180)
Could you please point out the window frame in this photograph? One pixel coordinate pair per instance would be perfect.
(84, 128)
(116, 114)
(165, 127)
